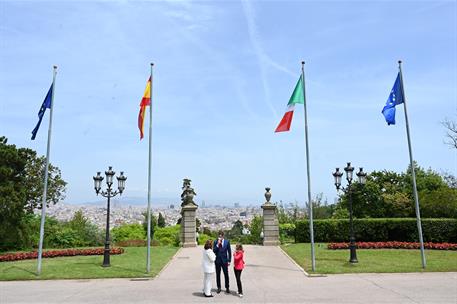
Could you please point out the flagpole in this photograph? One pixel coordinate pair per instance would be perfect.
(416, 199)
(45, 190)
(148, 260)
(310, 204)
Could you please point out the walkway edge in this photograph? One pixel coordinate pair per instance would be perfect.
(299, 267)
(169, 262)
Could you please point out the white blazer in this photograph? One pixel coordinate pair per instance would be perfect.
(208, 261)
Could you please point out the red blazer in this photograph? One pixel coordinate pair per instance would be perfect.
(238, 261)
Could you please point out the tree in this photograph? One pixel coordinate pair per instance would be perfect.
(256, 228)
(451, 132)
(153, 223)
(439, 203)
(321, 209)
(33, 182)
(12, 195)
(237, 230)
(161, 221)
(87, 234)
(390, 194)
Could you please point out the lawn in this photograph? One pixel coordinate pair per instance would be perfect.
(130, 264)
(370, 260)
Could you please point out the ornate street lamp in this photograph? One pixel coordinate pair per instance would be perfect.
(109, 193)
(362, 176)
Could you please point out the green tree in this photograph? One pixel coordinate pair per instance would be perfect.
(237, 230)
(321, 209)
(255, 228)
(12, 195)
(153, 224)
(439, 203)
(283, 215)
(390, 194)
(33, 181)
(87, 233)
(161, 221)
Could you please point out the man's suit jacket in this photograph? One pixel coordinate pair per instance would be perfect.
(223, 254)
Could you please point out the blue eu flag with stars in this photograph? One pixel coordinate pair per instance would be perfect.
(46, 105)
(395, 98)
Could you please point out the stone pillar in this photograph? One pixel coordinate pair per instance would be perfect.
(188, 226)
(270, 222)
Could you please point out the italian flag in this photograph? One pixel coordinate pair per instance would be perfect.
(145, 101)
(297, 97)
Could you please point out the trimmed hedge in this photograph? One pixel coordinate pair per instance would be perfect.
(379, 230)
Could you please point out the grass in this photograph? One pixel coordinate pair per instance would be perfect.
(130, 264)
(371, 260)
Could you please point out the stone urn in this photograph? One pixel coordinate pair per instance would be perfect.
(267, 195)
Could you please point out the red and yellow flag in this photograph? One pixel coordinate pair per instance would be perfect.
(146, 101)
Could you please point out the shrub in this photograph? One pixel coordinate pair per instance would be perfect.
(166, 241)
(64, 238)
(202, 238)
(377, 230)
(168, 235)
(128, 232)
(286, 232)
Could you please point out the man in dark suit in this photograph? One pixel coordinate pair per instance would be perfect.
(221, 248)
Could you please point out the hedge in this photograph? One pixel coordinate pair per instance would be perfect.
(379, 230)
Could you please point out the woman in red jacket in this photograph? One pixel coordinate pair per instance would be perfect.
(238, 265)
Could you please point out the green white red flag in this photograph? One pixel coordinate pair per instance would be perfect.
(296, 98)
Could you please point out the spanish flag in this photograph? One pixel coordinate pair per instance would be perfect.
(146, 101)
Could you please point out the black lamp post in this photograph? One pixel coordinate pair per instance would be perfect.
(109, 193)
(362, 176)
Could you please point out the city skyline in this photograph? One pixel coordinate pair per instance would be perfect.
(222, 78)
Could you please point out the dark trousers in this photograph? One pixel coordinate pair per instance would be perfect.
(218, 275)
(238, 279)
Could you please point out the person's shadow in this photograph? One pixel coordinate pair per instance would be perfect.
(214, 293)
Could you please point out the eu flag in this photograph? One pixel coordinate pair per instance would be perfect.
(46, 105)
(395, 98)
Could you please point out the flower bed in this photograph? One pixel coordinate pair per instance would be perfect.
(394, 245)
(17, 256)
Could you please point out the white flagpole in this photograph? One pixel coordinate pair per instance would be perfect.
(310, 204)
(45, 188)
(416, 199)
(148, 260)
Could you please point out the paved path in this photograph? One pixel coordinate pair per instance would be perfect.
(269, 277)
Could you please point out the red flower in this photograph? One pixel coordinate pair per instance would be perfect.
(394, 245)
(17, 256)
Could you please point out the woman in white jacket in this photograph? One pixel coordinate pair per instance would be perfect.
(208, 267)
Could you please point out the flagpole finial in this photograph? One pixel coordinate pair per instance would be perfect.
(152, 63)
(55, 67)
(303, 62)
(399, 61)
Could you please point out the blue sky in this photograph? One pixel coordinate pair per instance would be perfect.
(224, 72)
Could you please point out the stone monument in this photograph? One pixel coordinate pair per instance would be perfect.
(270, 222)
(188, 213)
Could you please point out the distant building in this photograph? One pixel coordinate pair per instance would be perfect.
(237, 205)
(243, 213)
